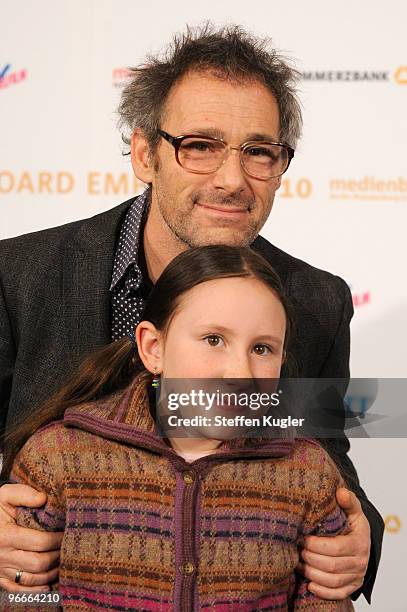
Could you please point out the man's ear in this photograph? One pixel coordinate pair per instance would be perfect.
(140, 157)
(279, 178)
(150, 346)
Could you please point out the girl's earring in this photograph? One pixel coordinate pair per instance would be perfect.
(156, 380)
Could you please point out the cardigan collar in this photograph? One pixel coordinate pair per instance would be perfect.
(126, 416)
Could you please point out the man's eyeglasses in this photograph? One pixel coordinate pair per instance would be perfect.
(261, 159)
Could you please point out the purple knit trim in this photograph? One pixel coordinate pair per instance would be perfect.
(179, 528)
(123, 405)
(128, 433)
(197, 542)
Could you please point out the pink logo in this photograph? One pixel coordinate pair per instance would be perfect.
(8, 78)
(360, 298)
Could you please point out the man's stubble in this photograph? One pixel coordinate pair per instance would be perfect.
(185, 230)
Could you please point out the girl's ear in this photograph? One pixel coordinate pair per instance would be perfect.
(150, 346)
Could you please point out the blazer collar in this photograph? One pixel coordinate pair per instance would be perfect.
(86, 275)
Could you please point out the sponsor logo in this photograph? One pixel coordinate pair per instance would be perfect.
(360, 396)
(399, 76)
(64, 182)
(356, 406)
(291, 188)
(360, 298)
(120, 76)
(106, 183)
(392, 523)
(369, 188)
(9, 77)
(358, 76)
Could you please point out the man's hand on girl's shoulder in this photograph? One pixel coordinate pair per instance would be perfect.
(28, 555)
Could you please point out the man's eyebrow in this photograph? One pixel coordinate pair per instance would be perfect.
(217, 133)
(260, 136)
(211, 132)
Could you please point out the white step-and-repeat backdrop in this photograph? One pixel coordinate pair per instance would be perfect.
(342, 206)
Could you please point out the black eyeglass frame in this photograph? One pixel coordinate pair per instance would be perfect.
(176, 142)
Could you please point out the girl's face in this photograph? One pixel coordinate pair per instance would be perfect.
(225, 328)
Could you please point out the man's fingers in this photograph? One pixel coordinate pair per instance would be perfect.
(23, 538)
(11, 587)
(338, 565)
(334, 594)
(339, 546)
(12, 495)
(331, 581)
(30, 580)
(348, 501)
(32, 562)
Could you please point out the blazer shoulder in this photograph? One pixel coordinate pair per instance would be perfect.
(36, 248)
(300, 277)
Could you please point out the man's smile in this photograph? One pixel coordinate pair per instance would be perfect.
(231, 212)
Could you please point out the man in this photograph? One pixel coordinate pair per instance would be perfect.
(210, 129)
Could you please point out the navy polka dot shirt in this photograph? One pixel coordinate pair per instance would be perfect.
(130, 284)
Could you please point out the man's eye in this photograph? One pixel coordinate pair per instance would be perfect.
(262, 152)
(198, 145)
(262, 349)
(213, 340)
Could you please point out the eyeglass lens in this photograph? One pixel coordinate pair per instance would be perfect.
(264, 160)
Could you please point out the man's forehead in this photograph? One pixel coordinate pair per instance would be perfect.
(203, 103)
(206, 82)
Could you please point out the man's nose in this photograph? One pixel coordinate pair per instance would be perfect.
(230, 176)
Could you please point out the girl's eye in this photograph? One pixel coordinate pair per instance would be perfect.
(262, 349)
(213, 340)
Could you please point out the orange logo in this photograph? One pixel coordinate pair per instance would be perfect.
(301, 188)
(401, 75)
(369, 188)
(44, 182)
(392, 523)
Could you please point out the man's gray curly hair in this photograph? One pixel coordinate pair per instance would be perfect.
(228, 52)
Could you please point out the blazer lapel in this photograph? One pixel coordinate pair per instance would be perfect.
(274, 256)
(87, 271)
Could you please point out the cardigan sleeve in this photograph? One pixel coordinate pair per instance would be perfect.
(322, 517)
(39, 465)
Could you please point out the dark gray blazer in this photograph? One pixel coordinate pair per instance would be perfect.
(55, 308)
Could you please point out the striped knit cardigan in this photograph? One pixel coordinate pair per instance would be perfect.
(145, 530)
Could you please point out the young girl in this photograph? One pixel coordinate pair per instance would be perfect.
(182, 523)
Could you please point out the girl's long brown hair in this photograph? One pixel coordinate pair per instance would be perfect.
(113, 366)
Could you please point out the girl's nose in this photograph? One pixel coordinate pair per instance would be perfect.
(238, 367)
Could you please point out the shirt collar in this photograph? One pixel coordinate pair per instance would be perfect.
(126, 254)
